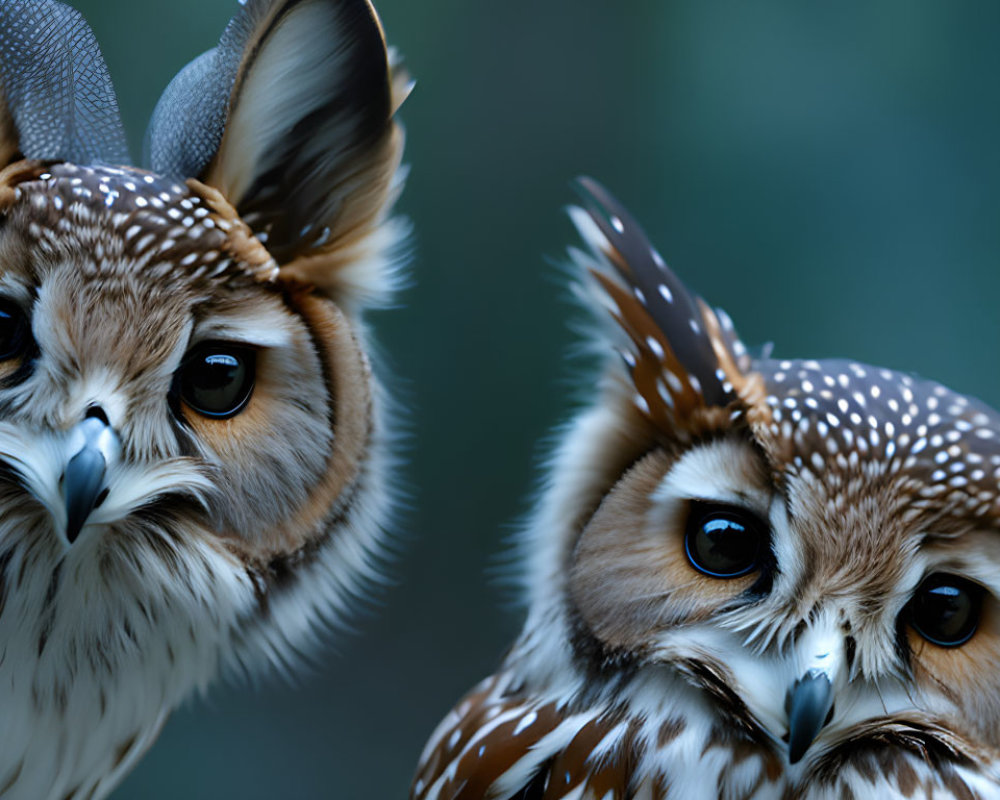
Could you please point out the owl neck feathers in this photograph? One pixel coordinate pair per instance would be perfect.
(15, 173)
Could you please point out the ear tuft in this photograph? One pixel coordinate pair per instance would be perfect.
(684, 360)
(56, 98)
(291, 119)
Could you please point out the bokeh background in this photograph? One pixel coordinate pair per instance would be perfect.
(828, 172)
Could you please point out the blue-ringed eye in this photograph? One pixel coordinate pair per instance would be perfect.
(723, 541)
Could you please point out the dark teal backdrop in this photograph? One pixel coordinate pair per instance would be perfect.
(828, 173)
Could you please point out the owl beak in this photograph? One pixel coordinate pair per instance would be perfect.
(95, 447)
(809, 701)
(808, 704)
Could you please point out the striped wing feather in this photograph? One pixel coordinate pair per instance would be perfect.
(500, 744)
(665, 301)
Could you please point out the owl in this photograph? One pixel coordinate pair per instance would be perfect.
(747, 577)
(195, 464)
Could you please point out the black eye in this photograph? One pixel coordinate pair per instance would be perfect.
(13, 330)
(945, 609)
(724, 542)
(217, 378)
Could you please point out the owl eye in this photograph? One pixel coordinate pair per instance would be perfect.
(217, 378)
(723, 541)
(945, 609)
(13, 330)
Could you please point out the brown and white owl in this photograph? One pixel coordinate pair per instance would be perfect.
(747, 577)
(195, 468)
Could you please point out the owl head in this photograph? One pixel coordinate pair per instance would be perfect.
(791, 567)
(193, 449)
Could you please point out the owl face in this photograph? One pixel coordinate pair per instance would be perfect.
(193, 446)
(747, 578)
(207, 379)
(851, 566)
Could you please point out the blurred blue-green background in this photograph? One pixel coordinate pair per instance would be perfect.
(828, 172)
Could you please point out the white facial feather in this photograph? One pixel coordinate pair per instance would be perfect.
(267, 327)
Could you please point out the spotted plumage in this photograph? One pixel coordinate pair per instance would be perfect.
(195, 461)
(160, 226)
(747, 577)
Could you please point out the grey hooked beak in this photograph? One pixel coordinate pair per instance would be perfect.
(808, 704)
(95, 447)
(809, 700)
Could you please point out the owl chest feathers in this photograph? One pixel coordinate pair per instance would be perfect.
(95, 654)
(103, 640)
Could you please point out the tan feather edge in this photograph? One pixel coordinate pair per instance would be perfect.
(749, 385)
(241, 242)
(670, 401)
(15, 173)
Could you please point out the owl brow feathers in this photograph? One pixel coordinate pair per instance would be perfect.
(687, 364)
(178, 218)
(245, 250)
(15, 173)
